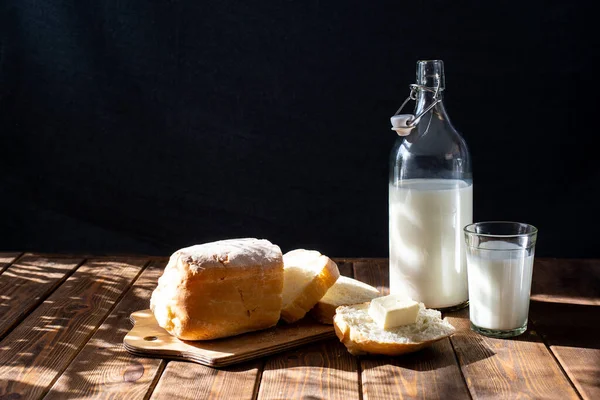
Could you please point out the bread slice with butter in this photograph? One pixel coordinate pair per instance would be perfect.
(307, 275)
(357, 330)
(344, 292)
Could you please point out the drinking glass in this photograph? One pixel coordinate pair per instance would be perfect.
(499, 267)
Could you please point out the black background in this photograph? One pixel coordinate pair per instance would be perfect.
(143, 127)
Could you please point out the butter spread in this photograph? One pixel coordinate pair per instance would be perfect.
(393, 310)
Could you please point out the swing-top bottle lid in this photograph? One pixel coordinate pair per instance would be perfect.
(430, 77)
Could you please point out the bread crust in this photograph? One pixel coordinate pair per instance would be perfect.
(313, 292)
(358, 344)
(220, 289)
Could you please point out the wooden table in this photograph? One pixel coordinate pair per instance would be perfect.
(63, 318)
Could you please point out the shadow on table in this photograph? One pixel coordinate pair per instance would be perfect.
(309, 371)
(433, 370)
(565, 302)
(15, 389)
(429, 359)
(442, 353)
(572, 325)
(557, 323)
(574, 281)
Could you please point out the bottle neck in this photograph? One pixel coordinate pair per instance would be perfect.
(426, 98)
(430, 74)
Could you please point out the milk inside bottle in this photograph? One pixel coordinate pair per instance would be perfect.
(427, 256)
(430, 198)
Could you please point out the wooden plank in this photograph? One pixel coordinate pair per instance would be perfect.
(432, 373)
(572, 333)
(376, 260)
(320, 371)
(38, 350)
(346, 268)
(183, 380)
(374, 272)
(6, 259)
(103, 369)
(521, 367)
(565, 312)
(27, 282)
(566, 281)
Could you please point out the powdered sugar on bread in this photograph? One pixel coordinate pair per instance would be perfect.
(231, 252)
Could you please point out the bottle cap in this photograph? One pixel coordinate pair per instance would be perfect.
(400, 124)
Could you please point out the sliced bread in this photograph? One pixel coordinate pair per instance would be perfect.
(361, 335)
(344, 292)
(307, 275)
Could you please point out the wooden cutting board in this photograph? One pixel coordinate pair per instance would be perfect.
(148, 339)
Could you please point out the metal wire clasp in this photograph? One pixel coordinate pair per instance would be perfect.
(414, 88)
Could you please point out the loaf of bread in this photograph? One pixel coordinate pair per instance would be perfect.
(361, 335)
(307, 277)
(220, 289)
(345, 291)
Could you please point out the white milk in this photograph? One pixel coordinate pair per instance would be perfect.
(427, 256)
(499, 285)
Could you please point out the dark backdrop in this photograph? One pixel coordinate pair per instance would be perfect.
(128, 126)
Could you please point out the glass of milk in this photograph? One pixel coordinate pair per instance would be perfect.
(499, 268)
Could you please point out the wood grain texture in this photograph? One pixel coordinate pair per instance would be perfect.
(47, 350)
(36, 352)
(25, 283)
(353, 260)
(323, 370)
(566, 281)
(431, 373)
(183, 380)
(308, 366)
(375, 273)
(521, 367)
(565, 311)
(6, 259)
(583, 368)
(346, 268)
(103, 369)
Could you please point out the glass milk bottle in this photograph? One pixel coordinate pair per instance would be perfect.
(430, 198)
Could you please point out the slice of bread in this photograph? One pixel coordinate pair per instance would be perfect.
(346, 291)
(307, 275)
(361, 335)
